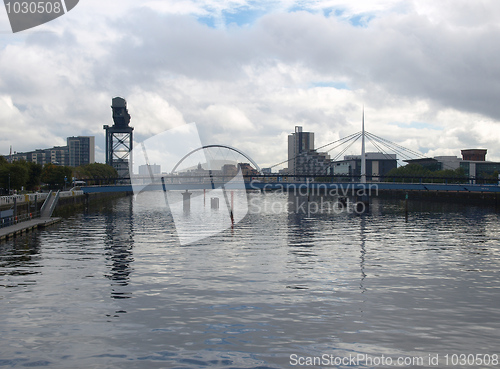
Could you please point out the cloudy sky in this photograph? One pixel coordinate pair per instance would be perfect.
(247, 72)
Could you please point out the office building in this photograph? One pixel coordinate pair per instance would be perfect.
(57, 155)
(474, 154)
(473, 163)
(302, 158)
(377, 165)
(81, 150)
(313, 163)
(152, 170)
(299, 143)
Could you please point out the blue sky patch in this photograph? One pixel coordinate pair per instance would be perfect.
(248, 15)
(240, 16)
(334, 12)
(361, 20)
(244, 16)
(356, 20)
(208, 21)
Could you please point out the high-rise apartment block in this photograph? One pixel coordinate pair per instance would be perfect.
(302, 158)
(81, 150)
(78, 151)
(299, 142)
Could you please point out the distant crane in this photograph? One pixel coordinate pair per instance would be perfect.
(119, 139)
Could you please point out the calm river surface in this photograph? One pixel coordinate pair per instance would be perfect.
(114, 288)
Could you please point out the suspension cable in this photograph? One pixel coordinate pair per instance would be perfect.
(404, 155)
(382, 151)
(340, 154)
(345, 139)
(415, 153)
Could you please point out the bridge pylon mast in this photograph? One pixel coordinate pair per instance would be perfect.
(363, 154)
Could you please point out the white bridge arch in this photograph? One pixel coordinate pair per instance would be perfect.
(218, 146)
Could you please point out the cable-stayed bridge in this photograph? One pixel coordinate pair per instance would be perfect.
(206, 179)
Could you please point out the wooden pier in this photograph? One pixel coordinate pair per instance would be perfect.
(27, 226)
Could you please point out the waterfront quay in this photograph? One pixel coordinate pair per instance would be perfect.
(22, 213)
(27, 226)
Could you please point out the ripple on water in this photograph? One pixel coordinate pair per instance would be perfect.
(116, 289)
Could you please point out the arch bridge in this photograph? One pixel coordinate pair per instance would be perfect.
(218, 146)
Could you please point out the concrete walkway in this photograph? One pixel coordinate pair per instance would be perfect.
(22, 227)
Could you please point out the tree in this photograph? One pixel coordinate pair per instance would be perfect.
(19, 175)
(54, 175)
(96, 172)
(417, 172)
(4, 178)
(13, 176)
(35, 174)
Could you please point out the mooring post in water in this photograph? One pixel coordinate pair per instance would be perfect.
(186, 201)
(232, 209)
(362, 201)
(406, 207)
(363, 204)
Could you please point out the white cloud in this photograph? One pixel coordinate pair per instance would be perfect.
(151, 114)
(418, 67)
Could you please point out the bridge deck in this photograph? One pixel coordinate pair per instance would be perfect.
(339, 186)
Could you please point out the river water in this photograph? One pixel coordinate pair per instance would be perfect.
(114, 288)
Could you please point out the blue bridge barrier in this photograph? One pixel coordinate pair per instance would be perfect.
(340, 187)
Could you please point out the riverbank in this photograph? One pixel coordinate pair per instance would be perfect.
(491, 199)
(67, 206)
(15, 230)
(26, 219)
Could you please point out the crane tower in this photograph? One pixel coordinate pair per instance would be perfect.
(119, 139)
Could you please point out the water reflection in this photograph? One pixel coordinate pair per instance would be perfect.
(283, 283)
(118, 246)
(20, 257)
(362, 231)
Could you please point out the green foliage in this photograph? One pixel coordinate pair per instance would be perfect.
(488, 178)
(19, 175)
(323, 179)
(14, 175)
(4, 178)
(54, 175)
(96, 173)
(35, 174)
(30, 175)
(415, 172)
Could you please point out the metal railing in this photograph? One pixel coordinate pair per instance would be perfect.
(46, 202)
(30, 198)
(11, 220)
(51, 202)
(9, 200)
